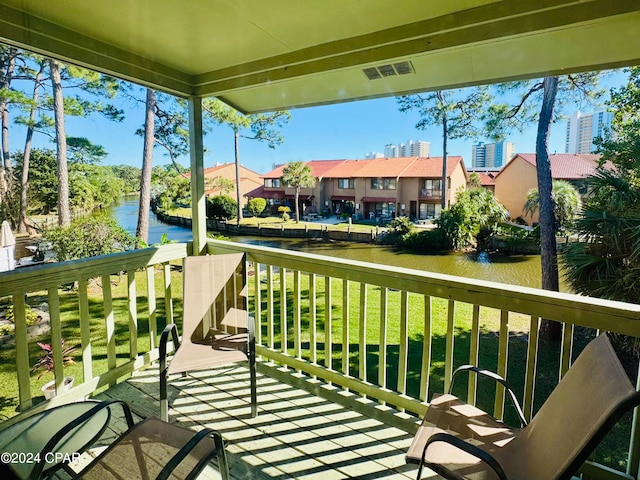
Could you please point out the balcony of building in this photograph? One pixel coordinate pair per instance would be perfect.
(366, 346)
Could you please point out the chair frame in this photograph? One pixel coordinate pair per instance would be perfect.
(581, 457)
(170, 332)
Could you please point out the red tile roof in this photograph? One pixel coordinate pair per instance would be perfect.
(347, 169)
(318, 168)
(487, 179)
(431, 167)
(564, 166)
(384, 167)
(261, 192)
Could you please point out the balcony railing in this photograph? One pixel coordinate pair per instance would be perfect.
(430, 193)
(48, 281)
(389, 334)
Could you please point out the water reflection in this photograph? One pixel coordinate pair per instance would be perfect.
(515, 269)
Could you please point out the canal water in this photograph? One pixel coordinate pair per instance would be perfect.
(515, 269)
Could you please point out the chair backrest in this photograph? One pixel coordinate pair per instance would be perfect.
(215, 295)
(590, 398)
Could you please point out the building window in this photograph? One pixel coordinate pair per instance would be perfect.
(429, 210)
(346, 183)
(432, 188)
(272, 182)
(385, 209)
(383, 184)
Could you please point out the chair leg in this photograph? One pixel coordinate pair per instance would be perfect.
(172, 330)
(253, 379)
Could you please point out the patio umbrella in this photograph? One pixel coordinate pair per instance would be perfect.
(7, 248)
(6, 236)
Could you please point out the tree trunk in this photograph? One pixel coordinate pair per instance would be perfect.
(297, 205)
(445, 136)
(142, 229)
(236, 146)
(549, 330)
(64, 211)
(7, 65)
(24, 184)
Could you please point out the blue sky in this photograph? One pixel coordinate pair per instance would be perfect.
(342, 131)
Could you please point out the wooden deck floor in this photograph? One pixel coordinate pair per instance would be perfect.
(295, 435)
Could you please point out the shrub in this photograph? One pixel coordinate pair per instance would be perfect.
(256, 206)
(426, 240)
(45, 362)
(222, 207)
(32, 316)
(89, 237)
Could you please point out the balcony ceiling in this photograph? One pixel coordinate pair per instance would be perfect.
(265, 55)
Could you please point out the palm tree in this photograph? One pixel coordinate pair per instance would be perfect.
(606, 262)
(566, 202)
(298, 175)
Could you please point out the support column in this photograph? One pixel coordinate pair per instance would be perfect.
(196, 152)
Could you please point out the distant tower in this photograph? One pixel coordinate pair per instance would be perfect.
(583, 128)
(491, 156)
(391, 151)
(417, 148)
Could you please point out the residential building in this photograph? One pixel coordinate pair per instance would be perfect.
(582, 128)
(249, 180)
(519, 176)
(487, 178)
(491, 156)
(377, 188)
(372, 155)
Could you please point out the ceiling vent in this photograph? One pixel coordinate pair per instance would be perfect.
(390, 70)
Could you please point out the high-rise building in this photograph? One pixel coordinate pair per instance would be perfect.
(491, 156)
(417, 148)
(582, 128)
(412, 148)
(372, 155)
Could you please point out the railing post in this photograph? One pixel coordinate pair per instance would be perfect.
(85, 329)
(362, 334)
(22, 352)
(450, 344)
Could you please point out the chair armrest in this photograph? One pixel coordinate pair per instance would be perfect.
(171, 329)
(464, 446)
(498, 379)
(223, 466)
(64, 431)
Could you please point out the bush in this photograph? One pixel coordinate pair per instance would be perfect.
(89, 237)
(283, 210)
(401, 226)
(222, 207)
(256, 206)
(426, 240)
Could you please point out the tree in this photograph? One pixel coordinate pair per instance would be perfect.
(142, 228)
(7, 65)
(456, 111)
(264, 127)
(166, 126)
(31, 126)
(223, 185)
(88, 237)
(256, 206)
(64, 211)
(221, 207)
(298, 175)
(542, 101)
(606, 261)
(473, 211)
(566, 202)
